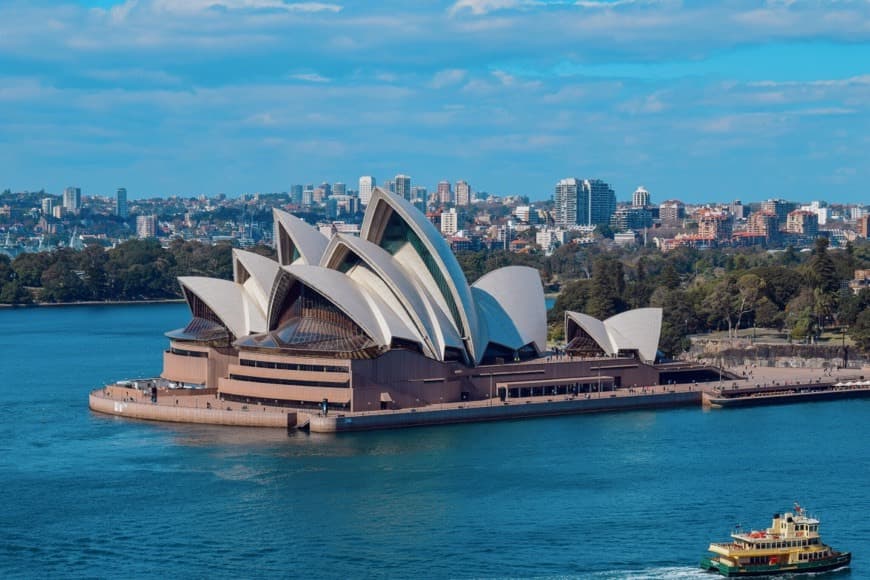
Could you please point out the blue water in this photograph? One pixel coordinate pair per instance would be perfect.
(631, 495)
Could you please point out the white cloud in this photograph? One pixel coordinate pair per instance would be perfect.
(133, 74)
(200, 5)
(448, 77)
(309, 77)
(479, 7)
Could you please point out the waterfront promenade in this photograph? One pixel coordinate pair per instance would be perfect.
(203, 406)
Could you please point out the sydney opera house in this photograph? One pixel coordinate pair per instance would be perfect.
(387, 320)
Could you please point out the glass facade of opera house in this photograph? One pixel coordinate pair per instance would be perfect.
(387, 320)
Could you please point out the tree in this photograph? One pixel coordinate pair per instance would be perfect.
(749, 291)
(14, 293)
(820, 270)
(721, 303)
(608, 288)
(860, 331)
(60, 283)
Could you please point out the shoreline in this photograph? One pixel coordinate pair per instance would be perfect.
(94, 303)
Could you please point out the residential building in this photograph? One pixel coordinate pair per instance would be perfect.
(631, 218)
(779, 207)
(403, 187)
(763, 223)
(802, 222)
(366, 184)
(449, 222)
(640, 197)
(72, 199)
(445, 195)
(146, 226)
(121, 203)
(463, 193)
(672, 212)
(565, 198)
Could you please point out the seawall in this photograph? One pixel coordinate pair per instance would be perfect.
(183, 414)
(339, 423)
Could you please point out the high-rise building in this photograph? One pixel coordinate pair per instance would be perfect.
(366, 184)
(146, 226)
(47, 205)
(339, 188)
(780, 207)
(762, 223)
(419, 192)
(403, 186)
(802, 222)
(445, 195)
(640, 197)
(587, 202)
(463, 193)
(72, 199)
(326, 189)
(672, 211)
(862, 225)
(449, 222)
(631, 218)
(596, 204)
(121, 203)
(565, 210)
(296, 194)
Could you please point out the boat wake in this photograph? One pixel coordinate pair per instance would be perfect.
(665, 572)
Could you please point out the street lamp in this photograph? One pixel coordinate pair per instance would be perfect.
(845, 352)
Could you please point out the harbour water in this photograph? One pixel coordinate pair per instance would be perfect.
(627, 495)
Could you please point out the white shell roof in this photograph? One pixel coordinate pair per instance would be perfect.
(638, 329)
(262, 271)
(518, 290)
(370, 312)
(229, 301)
(309, 242)
(390, 295)
(396, 278)
(441, 252)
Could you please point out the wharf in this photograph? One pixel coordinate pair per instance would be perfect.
(783, 394)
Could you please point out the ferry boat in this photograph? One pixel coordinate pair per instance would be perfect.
(790, 545)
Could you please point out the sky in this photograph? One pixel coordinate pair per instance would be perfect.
(698, 101)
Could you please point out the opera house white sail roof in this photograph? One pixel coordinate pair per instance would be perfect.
(396, 286)
(635, 330)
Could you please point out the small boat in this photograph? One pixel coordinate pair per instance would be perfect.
(790, 545)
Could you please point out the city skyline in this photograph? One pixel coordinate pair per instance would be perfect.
(695, 102)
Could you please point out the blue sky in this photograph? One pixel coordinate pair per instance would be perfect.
(694, 100)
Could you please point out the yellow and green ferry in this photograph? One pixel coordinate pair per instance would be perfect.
(790, 545)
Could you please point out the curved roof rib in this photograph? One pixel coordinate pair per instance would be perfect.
(296, 240)
(343, 248)
(435, 252)
(227, 300)
(257, 274)
(369, 312)
(520, 294)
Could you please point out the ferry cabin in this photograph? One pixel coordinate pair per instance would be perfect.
(790, 540)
